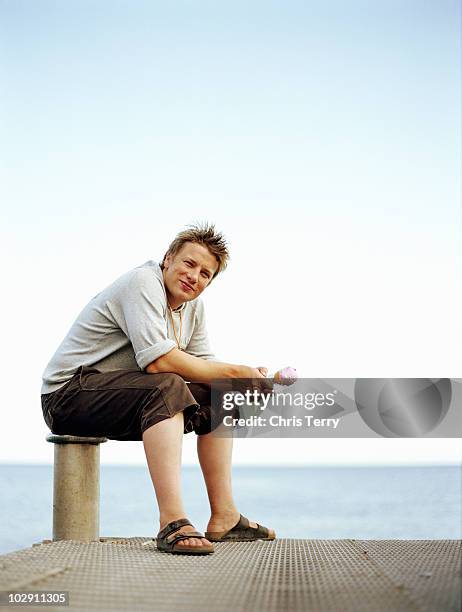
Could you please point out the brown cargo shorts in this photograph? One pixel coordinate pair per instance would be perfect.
(122, 404)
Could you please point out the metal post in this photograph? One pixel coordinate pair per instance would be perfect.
(76, 487)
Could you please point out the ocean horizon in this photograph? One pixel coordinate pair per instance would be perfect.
(312, 502)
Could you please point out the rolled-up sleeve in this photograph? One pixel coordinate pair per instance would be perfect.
(141, 312)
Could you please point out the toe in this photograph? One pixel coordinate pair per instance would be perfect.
(192, 542)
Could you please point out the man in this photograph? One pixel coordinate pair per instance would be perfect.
(120, 372)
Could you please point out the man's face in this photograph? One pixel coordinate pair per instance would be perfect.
(188, 273)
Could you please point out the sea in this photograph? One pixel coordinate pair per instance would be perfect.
(298, 502)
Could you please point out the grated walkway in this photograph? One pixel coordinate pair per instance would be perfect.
(285, 575)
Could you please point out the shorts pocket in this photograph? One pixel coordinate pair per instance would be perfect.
(84, 374)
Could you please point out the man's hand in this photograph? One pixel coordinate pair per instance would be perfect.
(258, 376)
(248, 372)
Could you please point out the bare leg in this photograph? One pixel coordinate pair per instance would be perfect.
(163, 445)
(215, 455)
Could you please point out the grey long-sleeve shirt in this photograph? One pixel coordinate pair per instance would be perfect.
(126, 327)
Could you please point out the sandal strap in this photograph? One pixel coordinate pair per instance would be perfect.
(243, 522)
(173, 526)
(176, 537)
(261, 530)
(243, 527)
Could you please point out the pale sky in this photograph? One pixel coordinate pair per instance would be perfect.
(323, 138)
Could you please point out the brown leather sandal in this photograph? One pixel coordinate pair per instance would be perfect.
(241, 532)
(169, 536)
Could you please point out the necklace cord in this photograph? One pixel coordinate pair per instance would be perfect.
(178, 341)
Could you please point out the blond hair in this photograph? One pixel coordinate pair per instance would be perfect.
(205, 234)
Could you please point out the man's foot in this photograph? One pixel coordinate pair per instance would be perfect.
(189, 542)
(225, 522)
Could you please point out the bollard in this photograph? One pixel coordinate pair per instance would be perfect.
(76, 487)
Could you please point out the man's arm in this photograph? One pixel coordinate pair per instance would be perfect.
(196, 369)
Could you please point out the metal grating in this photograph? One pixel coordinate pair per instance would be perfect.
(285, 575)
(430, 571)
